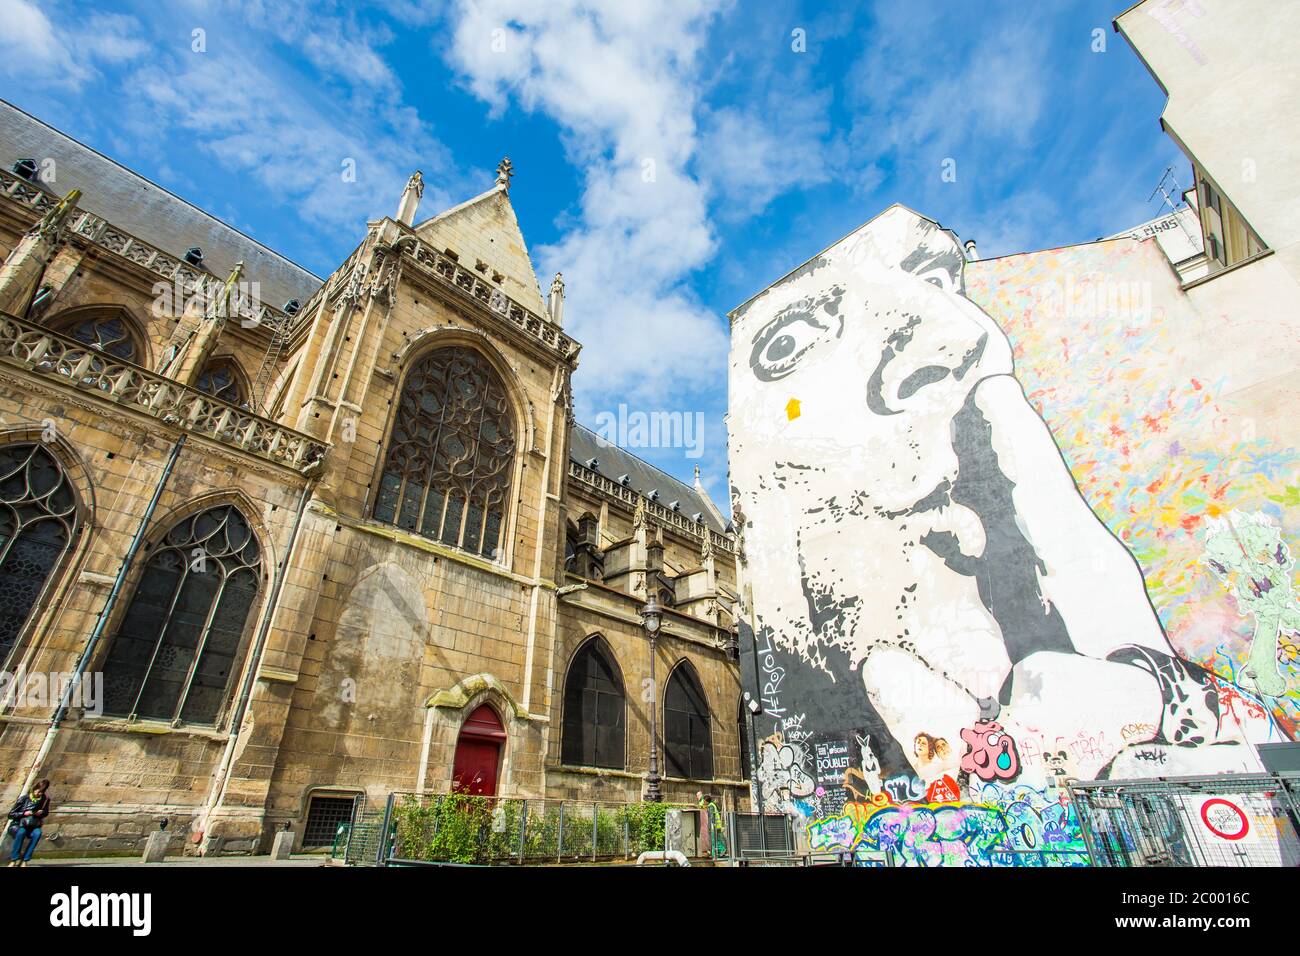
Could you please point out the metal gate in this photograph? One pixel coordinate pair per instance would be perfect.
(1224, 820)
(746, 841)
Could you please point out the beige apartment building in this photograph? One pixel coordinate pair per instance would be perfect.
(336, 540)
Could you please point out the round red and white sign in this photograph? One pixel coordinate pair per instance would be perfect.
(1224, 819)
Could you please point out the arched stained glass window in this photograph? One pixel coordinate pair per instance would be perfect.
(688, 746)
(38, 517)
(593, 709)
(447, 472)
(108, 330)
(221, 379)
(178, 647)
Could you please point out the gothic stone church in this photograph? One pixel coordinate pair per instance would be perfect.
(340, 540)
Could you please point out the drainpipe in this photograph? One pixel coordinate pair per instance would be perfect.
(102, 623)
(755, 768)
(218, 790)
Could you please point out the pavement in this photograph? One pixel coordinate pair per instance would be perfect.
(206, 861)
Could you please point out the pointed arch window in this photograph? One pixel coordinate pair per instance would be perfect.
(688, 746)
(104, 329)
(176, 652)
(108, 331)
(446, 475)
(38, 518)
(593, 733)
(222, 379)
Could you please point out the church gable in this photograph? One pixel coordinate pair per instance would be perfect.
(485, 234)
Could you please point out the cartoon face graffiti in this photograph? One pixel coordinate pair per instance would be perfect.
(990, 752)
(909, 523)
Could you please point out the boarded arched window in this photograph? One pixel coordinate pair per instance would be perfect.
(38, 517)
(593, 709)
(688, 747)
(447, 472)
(221, 379)
(175, 654)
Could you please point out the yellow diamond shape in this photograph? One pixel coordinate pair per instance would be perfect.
(792, 409)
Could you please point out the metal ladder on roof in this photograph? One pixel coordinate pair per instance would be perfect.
(270, 362)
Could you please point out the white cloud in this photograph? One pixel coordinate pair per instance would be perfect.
(29, 34)
(750, 156)
(923, 84)
(620, 78)
(33, 49)
(293, 148)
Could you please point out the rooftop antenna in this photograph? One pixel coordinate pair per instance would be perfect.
(1168, 201)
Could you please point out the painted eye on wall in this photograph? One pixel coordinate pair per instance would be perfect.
(782, 343)
(940, 278)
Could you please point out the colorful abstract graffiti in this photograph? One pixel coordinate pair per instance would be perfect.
(1000, 826)
(1160, 451)
(1011, 536)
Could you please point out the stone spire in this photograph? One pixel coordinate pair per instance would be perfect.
(708, 502)
(555, 302)
(410, 199)
(203, 332)
(505, 170)
(22, 270)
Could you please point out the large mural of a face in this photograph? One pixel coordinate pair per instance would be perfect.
(920, 567)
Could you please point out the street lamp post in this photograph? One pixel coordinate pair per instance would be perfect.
(651, 618)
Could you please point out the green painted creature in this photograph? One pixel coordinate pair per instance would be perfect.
(1248, 555)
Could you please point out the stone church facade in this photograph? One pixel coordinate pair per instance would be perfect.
(333, 541)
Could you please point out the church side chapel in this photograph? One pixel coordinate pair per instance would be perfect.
(334, 540)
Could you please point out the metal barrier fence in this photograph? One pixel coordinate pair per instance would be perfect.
(745, 839)
(1224, 820)
(468, 830)
(358, 840)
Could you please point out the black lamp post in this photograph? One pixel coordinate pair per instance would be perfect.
(651, 619)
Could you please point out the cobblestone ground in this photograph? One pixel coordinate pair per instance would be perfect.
(183, 861)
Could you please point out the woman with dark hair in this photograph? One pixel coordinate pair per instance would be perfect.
(26, 819)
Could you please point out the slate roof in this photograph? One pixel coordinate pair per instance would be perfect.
(148, 211)
(584, 445)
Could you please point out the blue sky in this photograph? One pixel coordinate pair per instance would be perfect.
(672, 158)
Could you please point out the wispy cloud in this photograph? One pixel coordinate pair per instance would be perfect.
(683, 155)
(994, 100)
(620, 80)
(69, 55)
(312, 122)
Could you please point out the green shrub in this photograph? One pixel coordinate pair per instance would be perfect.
(647, 824)
(457, 828)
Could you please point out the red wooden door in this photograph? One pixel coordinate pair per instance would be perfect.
(478, 754)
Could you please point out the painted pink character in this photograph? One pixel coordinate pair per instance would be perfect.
(990, 752)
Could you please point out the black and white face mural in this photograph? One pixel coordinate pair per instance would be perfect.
(924, 579)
